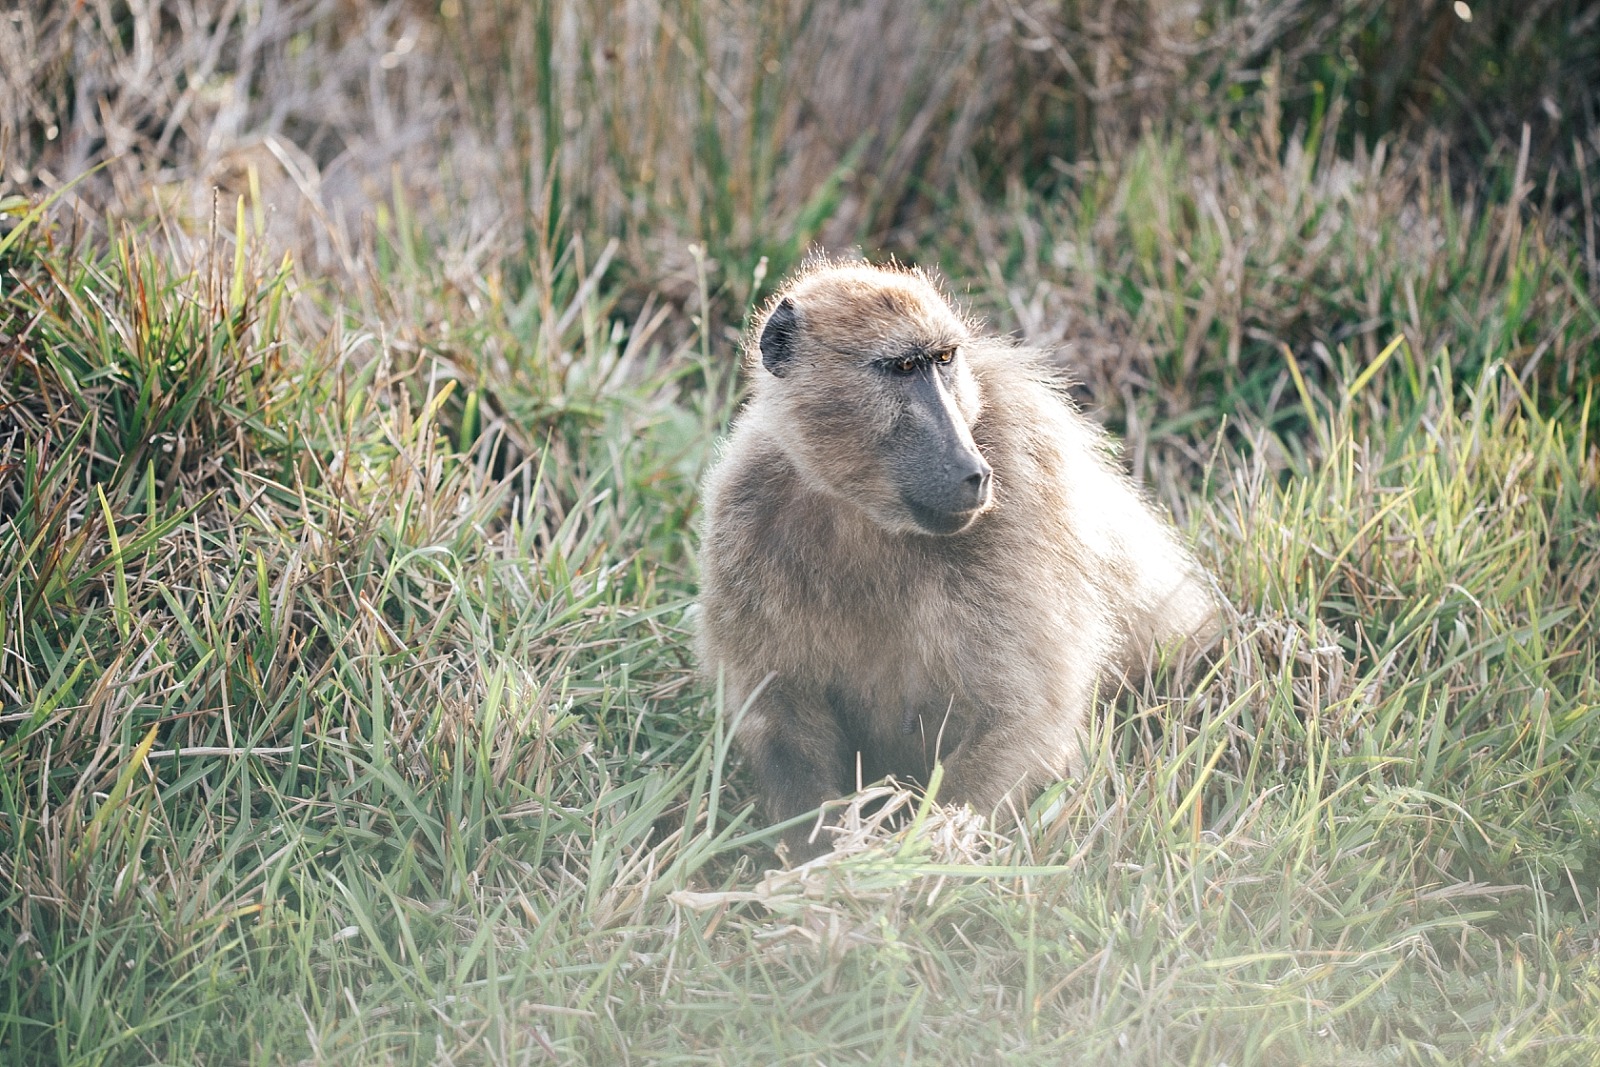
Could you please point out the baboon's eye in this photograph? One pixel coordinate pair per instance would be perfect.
(944, 357)
(904, 366)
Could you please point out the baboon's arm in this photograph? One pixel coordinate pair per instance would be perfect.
(799, 757)
(987, 770)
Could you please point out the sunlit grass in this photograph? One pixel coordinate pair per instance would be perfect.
(347, 705)
(357, 726)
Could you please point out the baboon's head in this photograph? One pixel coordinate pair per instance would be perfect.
(872, 398)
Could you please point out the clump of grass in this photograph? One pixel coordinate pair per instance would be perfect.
(260, 599)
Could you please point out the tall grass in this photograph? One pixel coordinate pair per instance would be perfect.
(750, 130)
(1173, 280)
(347, 713)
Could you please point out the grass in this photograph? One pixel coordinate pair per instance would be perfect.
(347, 708)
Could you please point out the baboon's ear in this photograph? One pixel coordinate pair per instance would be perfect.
(778, 337)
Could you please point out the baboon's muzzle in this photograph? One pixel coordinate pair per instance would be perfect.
(944, 481)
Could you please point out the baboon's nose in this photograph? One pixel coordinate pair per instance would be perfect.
(977, 482)
(948, 499)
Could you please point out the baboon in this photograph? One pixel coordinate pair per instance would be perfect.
(915, 548)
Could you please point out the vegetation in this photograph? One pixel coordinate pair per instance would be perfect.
(347, 707)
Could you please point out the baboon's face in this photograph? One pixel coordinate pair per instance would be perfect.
(876, 400)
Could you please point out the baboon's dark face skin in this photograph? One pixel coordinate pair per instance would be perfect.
(944, 482)
(877, 405)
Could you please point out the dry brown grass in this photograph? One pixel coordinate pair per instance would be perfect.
(750, 129)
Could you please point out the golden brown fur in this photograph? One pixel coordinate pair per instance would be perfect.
(863, 642)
